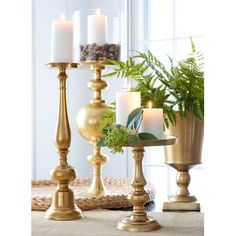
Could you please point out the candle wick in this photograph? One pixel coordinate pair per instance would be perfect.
(98, 12)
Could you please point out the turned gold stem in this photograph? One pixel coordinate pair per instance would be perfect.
(97, 186)
(88, 122)
(63, 134)
(97, 84)
(182, 193)
(139, 196)
(138, 221)
(63, 205)
(182, 180)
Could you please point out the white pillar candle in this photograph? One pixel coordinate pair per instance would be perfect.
(126, 102)
(61, 41)
(152, 121)
(97, 28)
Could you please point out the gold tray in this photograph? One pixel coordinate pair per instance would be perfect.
(118, 187)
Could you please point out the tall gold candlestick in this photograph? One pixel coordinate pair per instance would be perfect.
(88, 122)
(63, 204)
(138, 221)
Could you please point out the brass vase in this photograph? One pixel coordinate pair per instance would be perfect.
(183, 156)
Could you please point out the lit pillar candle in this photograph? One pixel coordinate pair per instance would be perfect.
(126, 102)
(152, 121)
(61, 40)
(97, 28)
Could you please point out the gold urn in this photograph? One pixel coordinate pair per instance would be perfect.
(183, 156)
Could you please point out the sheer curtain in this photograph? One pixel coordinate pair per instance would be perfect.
(164, 28)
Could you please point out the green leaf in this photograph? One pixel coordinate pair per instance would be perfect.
(106, 130)
(101, 142)
(147, 136)
(133, 140)
(108, 118)
(135, 118)
(112, 74)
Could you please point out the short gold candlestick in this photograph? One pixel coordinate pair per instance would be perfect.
(88, 122)
(138, 221)
(63, 204)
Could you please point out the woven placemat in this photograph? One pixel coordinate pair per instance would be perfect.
(118, 187)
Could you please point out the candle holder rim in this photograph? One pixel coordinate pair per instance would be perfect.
(166, 140)
(64, 64)
(95, 63)
(180, 163)
(93, 10)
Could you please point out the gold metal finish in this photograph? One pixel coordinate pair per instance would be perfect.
(181, 206)
(138, 221)
(95, 63)
(63, 204)
(63, 65)
(183, 157)
(88, 122)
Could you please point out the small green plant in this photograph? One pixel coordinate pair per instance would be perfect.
(108, 117)
(118, 136)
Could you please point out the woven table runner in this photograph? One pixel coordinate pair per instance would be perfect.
(119, 189)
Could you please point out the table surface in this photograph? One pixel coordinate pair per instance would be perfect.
(103, 223)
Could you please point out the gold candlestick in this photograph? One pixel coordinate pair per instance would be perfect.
(138, 221)
(63, 204)
(88, 122)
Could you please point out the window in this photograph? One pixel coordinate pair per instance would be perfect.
(164, 27)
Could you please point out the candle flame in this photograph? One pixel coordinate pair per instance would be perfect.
(150, 104)
(63, 17)
(98, 11)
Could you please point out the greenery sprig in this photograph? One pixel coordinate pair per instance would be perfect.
(118, 136)
(183, 82)
(108, 117)
(180, 89)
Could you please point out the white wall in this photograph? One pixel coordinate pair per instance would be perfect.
(45, 94)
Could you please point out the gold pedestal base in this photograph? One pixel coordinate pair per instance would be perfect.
(97, 187)
(182, 198)
(181, 206)
(63, 207)
(138, 226)
(64, 214)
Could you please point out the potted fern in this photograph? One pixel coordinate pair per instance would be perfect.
(181, 94)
